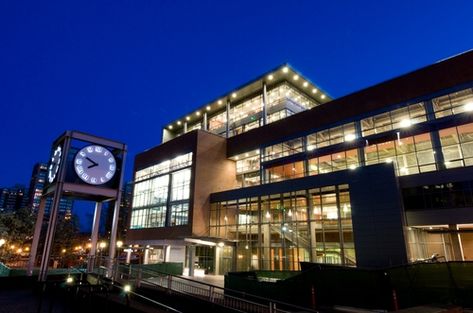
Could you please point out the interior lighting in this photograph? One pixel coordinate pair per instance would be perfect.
(247, 154)
(221, 244)
(69, 280)
(405, 123)
(322, 97)
(268, 215)
(188, 118)
(234, 95)
(220, 102)
(310, 147)
(246, 247)
(314, 90)
(285, 69)
(295, 77)
(350, 137)
(389, 161)
(289, 213)
(127, 288)
(270, 77)
(469, 106)
(197, 113)
(179, 123)
(352, 167)
(236, 158)
(208, 108)
(305, 84)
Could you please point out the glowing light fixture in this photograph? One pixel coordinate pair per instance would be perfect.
(352, 167)
(350, 137)
(289, 213)
(270, 77)
(179, 123)
(285, 69)
(221, 244)
(220, 102)
(310, 147)
(295, 77)
(268, 215)
(170, 126)
(405, 123)
(314, 90)
(197, 113)
(322, 97)
(389, 160)
(234, 95)
(305, 84)
(188, 118)
(69, 280)
(469, 106)
(127, 288)
(208, 108)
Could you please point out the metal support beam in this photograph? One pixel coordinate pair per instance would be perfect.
(94, 236)
(36, 236)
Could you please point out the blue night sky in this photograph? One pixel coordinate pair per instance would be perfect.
(123, 69)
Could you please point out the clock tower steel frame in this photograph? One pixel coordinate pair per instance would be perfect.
(63, 185)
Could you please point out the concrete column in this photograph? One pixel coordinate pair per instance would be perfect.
(146, 256)
(265, 104)
(36, 236)
(94, 236)
(128, 255)
(204, 121)
(457, 248)
(167, 253)
(191, 258)
(185, 127)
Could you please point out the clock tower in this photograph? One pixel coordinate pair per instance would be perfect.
(82, 167)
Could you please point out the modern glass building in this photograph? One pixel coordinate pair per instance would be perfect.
(277, 172)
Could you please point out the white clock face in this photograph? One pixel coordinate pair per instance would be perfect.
(95, 165)
(54, 164)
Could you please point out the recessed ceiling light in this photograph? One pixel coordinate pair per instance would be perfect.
(296, 77)
(170, 126)
(285, 69)
(314, 90)
(220, 102)
(188, 118)
(270, 76)
(234, 95)
(208, 108)
(178, 122)
(197, 113)
(322, 96)
(305, 84)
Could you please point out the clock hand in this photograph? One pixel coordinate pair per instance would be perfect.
(93, 163)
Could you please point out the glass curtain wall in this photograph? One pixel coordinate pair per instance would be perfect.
(277, 231)
(161, 194)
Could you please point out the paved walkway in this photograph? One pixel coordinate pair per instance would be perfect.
(216, 280)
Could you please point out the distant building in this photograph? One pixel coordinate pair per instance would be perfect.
(37, 181)
(13, 198)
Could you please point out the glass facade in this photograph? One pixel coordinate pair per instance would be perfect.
(277, 231)
(457, 145)
(453, 103)
(161, 194)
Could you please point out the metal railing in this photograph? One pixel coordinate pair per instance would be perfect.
(227, 298)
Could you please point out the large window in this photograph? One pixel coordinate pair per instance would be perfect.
(334, 162)
(411, 155)
(400, 118)
(161, 195)
(454, 103)
(180, 185)
(331, 136)
(283, 149)
(284, 172)
(277, 231)
(457, 145)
